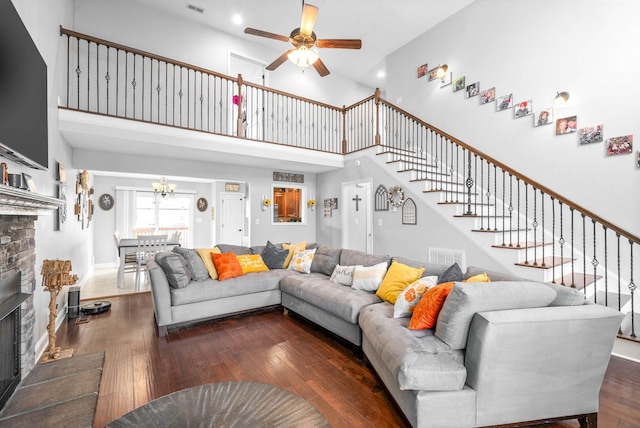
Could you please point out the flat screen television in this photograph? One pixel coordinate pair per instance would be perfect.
(23, 93)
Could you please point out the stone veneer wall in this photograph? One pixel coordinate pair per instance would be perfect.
(18, 254)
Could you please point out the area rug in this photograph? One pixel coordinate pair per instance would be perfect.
(59, 393)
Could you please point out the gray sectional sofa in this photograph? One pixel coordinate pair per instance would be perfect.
(504, 352)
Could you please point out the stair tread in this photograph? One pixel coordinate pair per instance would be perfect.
(436, 180)
(442, 174)
(577, 280)
(498, 230)
(546, 262)
(460, 192)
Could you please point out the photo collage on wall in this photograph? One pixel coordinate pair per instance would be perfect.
(542, 117)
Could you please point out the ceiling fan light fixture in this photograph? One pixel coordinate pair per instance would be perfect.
(303, 56)
(561, 99)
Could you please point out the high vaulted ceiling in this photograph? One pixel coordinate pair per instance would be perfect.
(382, 25)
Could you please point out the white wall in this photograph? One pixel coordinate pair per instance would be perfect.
(534, 49)
(42, 19)
(137, 25)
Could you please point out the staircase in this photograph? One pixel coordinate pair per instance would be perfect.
(532, 234)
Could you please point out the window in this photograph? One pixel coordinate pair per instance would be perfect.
(288, 205)
(167, 216)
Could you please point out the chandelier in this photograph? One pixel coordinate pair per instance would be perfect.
(163, 188)
(302, 56)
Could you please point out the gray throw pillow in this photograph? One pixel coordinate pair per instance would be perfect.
(325, 260)
(274, 256)
(238, 249)
(452, 274)
(175, 267)
(194, 263)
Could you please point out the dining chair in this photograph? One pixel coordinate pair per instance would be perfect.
(130, 257)
(148, 247)
(175, 236)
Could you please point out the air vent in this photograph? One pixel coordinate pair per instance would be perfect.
(449, 257)
(195, 8)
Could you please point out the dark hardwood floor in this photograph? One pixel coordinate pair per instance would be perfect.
(269, 347)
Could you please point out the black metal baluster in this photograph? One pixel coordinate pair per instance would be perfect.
(606, 267)
(504, 214)
(553, 235)
(584, 254)
(88, 75)
(495, 198)
(573, 268)
(594, 263)
(632, 289)
(561, 241)
(535, 226)
(542, 229)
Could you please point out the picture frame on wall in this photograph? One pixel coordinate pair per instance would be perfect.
(543, 117)
(591, 134)
(620, 145)
(422, 70)
(473, 89)
(488, 96)
(446, 80)
(504, 102)
(566, 125)
(433, 74)
(106, 202)
(202, 204)
(522, 109)
(28, 182)
(458, 84)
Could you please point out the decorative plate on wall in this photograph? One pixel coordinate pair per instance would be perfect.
(106, 202)
(202, 205)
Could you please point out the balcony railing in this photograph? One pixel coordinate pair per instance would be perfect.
(573, 245)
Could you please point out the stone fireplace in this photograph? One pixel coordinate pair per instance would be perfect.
(19, 211)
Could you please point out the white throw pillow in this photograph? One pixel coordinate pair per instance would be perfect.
(301, 261)
(343, 275)
(410, 296)
(369, 278)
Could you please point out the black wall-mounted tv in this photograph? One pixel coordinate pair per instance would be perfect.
(23, 93)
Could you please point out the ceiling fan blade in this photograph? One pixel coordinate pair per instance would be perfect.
(279, 61)
(266, 34)
(339, 43)
(309, 15)
(320, 68)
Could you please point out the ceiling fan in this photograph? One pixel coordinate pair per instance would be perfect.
(303, 40)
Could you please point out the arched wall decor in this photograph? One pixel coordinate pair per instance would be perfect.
(409, 212)
(382, 199)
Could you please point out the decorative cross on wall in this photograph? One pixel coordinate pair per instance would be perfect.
(357, 199)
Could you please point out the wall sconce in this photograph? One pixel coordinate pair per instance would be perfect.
(266, 203)
(311, 203)
(561, 99)
(442, 71)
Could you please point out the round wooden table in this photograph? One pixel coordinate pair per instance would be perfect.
(226, 404)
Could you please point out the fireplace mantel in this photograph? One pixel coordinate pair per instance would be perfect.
(22, 202)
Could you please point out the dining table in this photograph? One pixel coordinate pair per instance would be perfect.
(130, 245)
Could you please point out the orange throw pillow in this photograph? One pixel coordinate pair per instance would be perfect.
(227, 265)
(427, 310)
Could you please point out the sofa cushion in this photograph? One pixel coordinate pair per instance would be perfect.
(227, 265)
(411, 296)
(205, 256)
(194, 262)
(418, 359)
(343, 275)
(251, 263)
(316, 289)
(257, 249)
(211, 290)
(397, 278)
(567, 296)
(430, 269)
(293, 248)
(452, 274)
(302, 260)
(425, 315)
(493, 275)
(481, 277)
(175, 268)
(355, 257)
(468, 298)
(274, 256)
(326, 259)
(236, 249)
(369, 278)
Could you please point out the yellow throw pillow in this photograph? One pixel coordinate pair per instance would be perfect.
(252, 263)
(205, 255)
(398, 277)
(293, 248)
(481, 277)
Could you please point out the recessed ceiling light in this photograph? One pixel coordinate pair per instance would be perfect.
(237, 19)
(380, 74)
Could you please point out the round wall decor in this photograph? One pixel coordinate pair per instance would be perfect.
(202, 205)
(106, 202)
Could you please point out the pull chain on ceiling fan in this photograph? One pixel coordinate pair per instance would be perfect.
(304, 40)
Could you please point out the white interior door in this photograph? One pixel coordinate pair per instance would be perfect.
(357, 216)
(232, 218)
